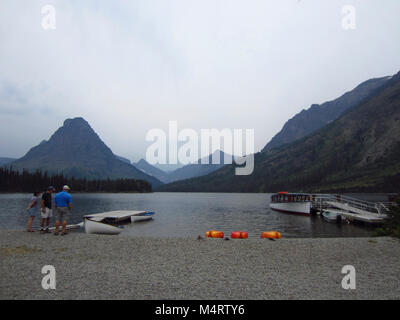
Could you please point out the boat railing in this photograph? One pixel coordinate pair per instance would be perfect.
(384, 207)
(372, 207)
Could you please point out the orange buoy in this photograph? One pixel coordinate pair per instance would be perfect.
(214, 234)
(239, 235)
(271, 235)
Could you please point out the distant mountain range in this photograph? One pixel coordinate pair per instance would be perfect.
(168, 167)
(123, 159)
(188, 171)
(76, 150)
(348, 144)
(152, 170)
(318, 116)
(358, 151)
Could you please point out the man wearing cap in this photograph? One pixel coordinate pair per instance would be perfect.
(47, 213)
(63, 202)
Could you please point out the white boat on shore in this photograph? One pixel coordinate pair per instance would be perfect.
(293, 203)
(105, 222)
(98, 227)
(68, 226)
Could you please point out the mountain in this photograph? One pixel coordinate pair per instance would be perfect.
(317, 116)
(197, 169)
(4, 160)
(188, 171)
(168, 167)
(123, 159)
(152, 170)
(358, 152)
(76, 150)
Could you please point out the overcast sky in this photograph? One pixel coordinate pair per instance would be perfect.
(130, 66)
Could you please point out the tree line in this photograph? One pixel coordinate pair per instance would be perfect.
(25, 181)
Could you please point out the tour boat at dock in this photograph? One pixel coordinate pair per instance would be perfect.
(293, 203)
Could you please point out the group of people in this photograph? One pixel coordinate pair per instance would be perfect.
(44, 205)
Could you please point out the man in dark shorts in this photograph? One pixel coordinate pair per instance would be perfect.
(47, 211)
(63, 202)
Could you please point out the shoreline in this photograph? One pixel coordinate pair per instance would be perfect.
(85, 192)
(129, 267)
(252, 237)
(218, 192)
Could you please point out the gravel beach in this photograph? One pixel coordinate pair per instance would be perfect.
(121, 267)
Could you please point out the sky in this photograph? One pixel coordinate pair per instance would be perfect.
(131, 66)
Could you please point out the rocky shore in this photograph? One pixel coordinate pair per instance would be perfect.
(115, 267)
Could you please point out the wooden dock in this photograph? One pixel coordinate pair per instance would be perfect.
(368, 218)
(351, 208)
(115, 216)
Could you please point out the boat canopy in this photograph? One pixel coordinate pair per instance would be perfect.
(290, 197)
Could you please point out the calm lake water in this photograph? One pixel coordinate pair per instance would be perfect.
(189, 214)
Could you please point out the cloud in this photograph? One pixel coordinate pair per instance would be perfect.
(130, 66)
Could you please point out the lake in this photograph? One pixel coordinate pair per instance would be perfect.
(189, 214)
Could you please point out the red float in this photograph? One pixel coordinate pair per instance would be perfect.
(239, 235)
(271, 235)
(214, 234)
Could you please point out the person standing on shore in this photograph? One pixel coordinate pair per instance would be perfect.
(63, 203)
(47, 211)
(33, 209)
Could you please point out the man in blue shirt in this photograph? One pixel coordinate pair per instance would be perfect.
(63, 203)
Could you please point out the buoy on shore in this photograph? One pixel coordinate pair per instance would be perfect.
(239, 235)
(214, 234)
(271, 235)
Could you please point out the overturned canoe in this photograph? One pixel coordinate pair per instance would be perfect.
(98, 227)
(142, 216)
(69, 226)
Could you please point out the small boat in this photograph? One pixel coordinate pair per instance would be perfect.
(106, 222)
(331, 216)
(69, 226)
(98, 227)
(114, 217)
(142, 216)
(293, 203)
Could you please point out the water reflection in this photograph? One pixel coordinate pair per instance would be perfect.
(188, 214)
